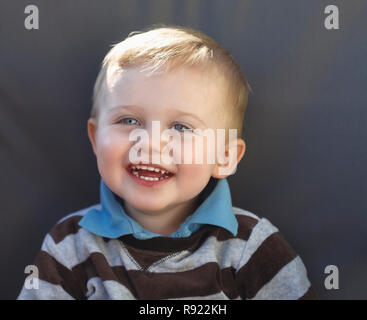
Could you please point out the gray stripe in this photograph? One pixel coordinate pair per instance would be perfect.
(290, 283)
(225, 253)
(45, 291)
(76, 248)
(260, 232)
(239, 211)
(106, 290)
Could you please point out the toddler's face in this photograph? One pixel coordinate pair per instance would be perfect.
(184, 99)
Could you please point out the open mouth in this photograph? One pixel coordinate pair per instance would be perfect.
(149, 172)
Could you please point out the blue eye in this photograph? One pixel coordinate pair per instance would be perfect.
(129, 121)
(181, 127)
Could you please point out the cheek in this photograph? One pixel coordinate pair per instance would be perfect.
(196, 172)
(198, 150)
(112, 146)
(192, 179)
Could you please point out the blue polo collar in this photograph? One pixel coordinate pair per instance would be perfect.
(111, 221)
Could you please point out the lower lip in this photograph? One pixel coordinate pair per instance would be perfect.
(146, 182)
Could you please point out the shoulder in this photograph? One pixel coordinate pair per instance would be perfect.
(260, 232)
(69, 224)
(269, 267)
(66, 241)
(264, 242)
(249, 224)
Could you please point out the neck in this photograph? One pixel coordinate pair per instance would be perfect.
(164, 222)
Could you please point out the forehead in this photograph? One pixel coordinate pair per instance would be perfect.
(190, 89)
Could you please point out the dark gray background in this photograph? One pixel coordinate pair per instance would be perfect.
(305, 126)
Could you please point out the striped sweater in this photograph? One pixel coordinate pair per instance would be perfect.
(257, 263)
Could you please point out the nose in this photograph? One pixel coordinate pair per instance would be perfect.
(153, 146)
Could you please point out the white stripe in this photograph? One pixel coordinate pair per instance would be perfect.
(224, 253)
(290, 283)
(76, 248)
(45, 291)
(242, 212)
(107, 290)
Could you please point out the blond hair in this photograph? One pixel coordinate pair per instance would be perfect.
(160, 48)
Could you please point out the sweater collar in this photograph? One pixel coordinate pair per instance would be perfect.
(111, 221)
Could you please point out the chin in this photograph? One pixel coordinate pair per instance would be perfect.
(146, 205)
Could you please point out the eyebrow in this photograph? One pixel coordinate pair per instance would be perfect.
(132, 107)
(121, 107)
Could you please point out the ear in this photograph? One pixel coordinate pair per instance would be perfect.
(234, 153)
(92, 131)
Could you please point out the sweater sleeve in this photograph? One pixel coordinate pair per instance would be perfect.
(269, 268)
(55, 280)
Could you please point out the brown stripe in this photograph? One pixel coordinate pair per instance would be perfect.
(55, 273)
(309, 295)
(65, 228)
(97, 266)
(167, 244)
(202, 281)
(228, 282)
(273, 254)
(191, 243)
(148, 251)
(245, 226)
(145, 258)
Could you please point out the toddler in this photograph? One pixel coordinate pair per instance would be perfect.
(167, 229)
